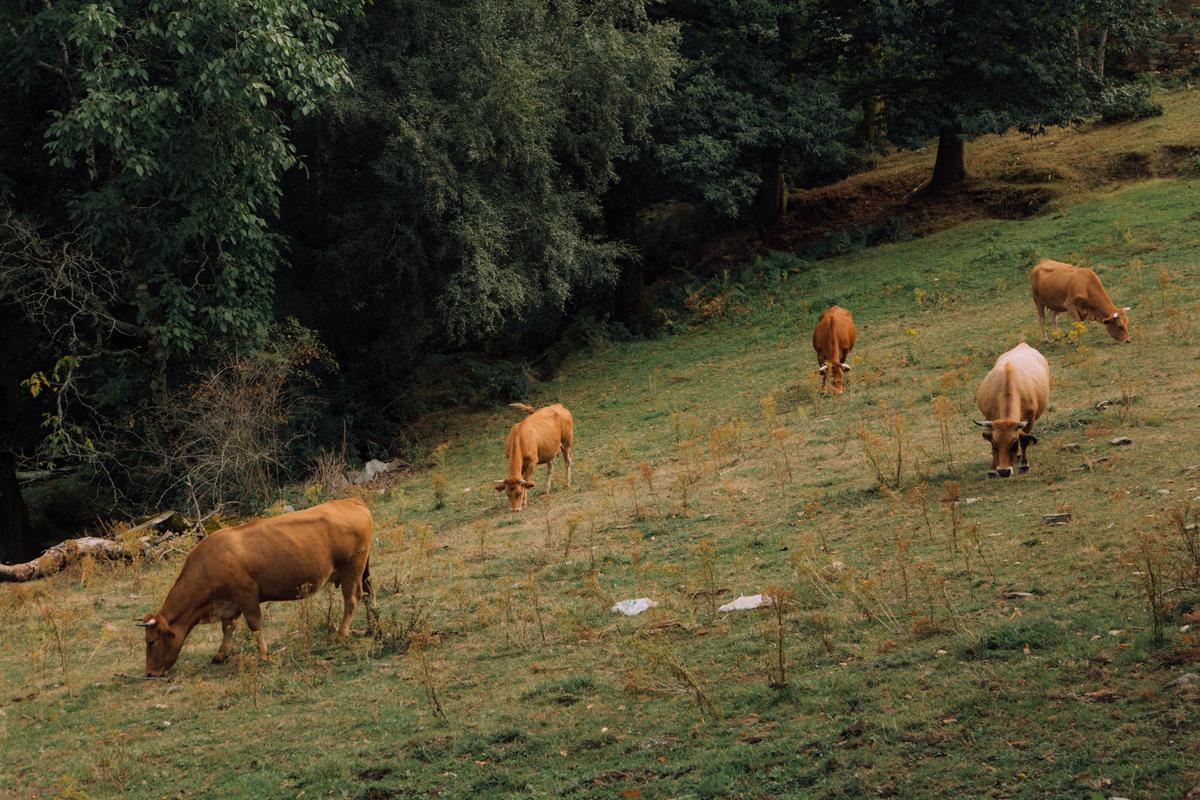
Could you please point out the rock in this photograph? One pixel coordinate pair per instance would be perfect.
(1056, 519)
(1070, 446)
(372, 470)
(1189, 683)
(1120, 440)
(288, 508)
(1163, 492)
(1018, 595)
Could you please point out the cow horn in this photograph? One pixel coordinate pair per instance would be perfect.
(823, 369)
(150, 623)
(845, 366)
(1023, 424)
(1127, 308)
(987, 424)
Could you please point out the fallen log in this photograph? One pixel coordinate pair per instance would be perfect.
(62, 555)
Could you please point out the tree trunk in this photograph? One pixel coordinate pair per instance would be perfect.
(16, 535)
(630, 303)
(871, 129)
(949, 170)
(1101, 46)
(772, 193)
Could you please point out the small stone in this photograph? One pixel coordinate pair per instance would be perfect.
(1070, 446)
(1056, 519)
(939, 653)
(1120, 440)
(1188, 682)
(1115, 632)
(1163, 492)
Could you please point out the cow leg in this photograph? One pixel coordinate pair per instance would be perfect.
(350, 594)
(248, 603)
(549, 475)
(567, 460)
(352, 591)
(1024, 467)
(1041, 309)
(227, 628)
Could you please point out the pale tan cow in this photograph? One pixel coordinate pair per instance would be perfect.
(1012, 397)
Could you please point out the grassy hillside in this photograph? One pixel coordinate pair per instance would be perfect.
(930, 646)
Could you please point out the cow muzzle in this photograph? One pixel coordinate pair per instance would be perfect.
(1004, 472)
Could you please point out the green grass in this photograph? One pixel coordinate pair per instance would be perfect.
(956, 691)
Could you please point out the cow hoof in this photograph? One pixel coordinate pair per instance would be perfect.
(219, 659)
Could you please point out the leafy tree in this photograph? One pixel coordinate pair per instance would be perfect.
(458, 194)
(146, 142)
(1123, 26)
(953, 69)
(754, 105)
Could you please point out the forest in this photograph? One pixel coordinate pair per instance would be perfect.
(239, 241)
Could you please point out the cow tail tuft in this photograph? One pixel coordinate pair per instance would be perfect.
(528, 409)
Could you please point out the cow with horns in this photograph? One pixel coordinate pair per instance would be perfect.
(1012, 397)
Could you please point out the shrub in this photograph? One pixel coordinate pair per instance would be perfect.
(1127, 102)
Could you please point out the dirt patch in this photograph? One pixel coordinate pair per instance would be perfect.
(1181, 160)
(1130, 166)
(374, 773)
(380, 793)
(1005, 202)
(1027, 175)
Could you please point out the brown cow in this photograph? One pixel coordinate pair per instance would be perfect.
(1012, 397)
(1062, 287)
(537, 439)
(833, 339)
(232, 571)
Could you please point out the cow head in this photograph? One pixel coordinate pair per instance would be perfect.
(835, 373)
(1117, 325)
(515, 488)
(1007, 437)
(163, 644)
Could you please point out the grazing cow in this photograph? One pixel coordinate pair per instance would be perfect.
(287, 557)
(1062, 287)
(833, 339)
(537, 439)
(1012, 397)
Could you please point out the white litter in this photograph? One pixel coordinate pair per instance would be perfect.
(747, 602)
(631, 608)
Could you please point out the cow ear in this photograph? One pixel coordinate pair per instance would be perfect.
(987, 435)
(499, 486)
(1029, 439)
(528, 484)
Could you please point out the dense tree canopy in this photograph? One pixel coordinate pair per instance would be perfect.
(753, 105)
(405, 201)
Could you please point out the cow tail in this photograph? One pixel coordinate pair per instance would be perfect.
(366, 578)
(528, 409)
